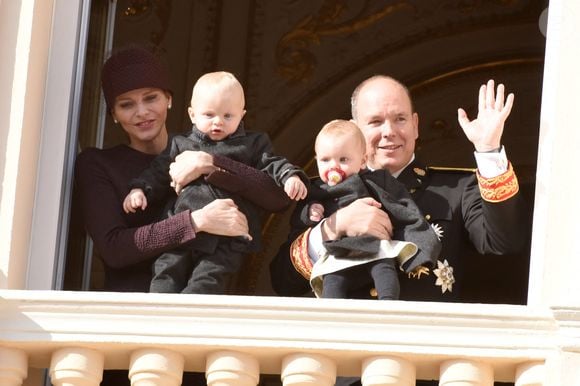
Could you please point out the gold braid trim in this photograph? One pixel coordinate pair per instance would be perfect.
(500, 188)
(299, 255)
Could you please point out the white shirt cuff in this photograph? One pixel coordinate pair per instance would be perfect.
(315, 246)
(491, 164)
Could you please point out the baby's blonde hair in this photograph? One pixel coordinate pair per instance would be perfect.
(341, 127)
(220, 80)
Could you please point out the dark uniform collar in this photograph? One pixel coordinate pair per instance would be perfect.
(413, 175)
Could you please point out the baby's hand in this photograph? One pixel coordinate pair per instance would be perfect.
(134, 200)
(316, 212)
(295, 188)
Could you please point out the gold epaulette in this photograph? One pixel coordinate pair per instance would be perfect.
(299, 255)
(449, 169)
(500, 188)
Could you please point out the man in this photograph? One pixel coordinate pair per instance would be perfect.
(463, 207)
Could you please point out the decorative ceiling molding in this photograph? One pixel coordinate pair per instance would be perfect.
(475, 68)
(296, 55)
(139, 11)
(296, 62)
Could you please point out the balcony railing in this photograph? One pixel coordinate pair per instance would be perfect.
(234, 339)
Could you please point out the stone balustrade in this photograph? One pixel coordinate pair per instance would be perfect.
(235, 339)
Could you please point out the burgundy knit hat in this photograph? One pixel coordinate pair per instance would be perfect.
(129, 69)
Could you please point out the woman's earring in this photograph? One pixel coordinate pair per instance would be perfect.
(115, 120)
(169, 106)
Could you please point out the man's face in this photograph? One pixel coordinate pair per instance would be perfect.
(386, 118)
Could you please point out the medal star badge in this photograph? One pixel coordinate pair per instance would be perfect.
(444, 274)
(438, 230)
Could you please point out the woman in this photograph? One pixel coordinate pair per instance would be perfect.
(138, 96)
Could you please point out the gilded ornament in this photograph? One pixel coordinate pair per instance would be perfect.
(295, 58)
(445, 278)
(419, 172)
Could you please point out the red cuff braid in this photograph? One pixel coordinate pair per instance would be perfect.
(500, 188)
(299, 255)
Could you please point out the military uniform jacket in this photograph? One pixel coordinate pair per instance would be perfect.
(451, 200)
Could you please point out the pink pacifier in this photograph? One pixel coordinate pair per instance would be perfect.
(334, 176)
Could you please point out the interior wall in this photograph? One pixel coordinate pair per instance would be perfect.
(299, 61)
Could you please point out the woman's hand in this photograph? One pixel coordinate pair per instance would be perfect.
(189, 166)
(363, 217)
(221, 217)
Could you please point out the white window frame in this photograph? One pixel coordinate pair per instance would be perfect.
(554, 261)
(57, 144)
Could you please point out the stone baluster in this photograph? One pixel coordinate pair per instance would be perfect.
(530, 374)
(13, 366)
(76, 366)
(383, 371)
(308, 370)
(156, 367)
(230, 368)
(463, 372)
